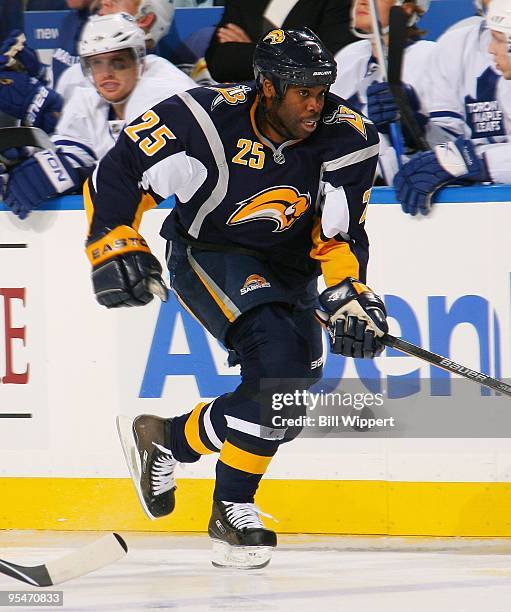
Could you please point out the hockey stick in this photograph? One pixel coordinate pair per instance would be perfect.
(446, 364)
(398, 25)
(91, 557)
(395, 133)
(17, 137)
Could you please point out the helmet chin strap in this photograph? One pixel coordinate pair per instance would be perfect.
(265, 115)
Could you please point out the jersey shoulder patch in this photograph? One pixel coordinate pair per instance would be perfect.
(231, 95)
(345, 114)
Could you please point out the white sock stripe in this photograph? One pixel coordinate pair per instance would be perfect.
(254, 429)
(210, 430)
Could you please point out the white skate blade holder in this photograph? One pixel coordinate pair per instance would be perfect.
(240, 557)
(125, 431)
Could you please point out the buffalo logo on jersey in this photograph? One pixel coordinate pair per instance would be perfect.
(282, 205)
(275, 37)
(254, 281)
(231, 95)
(343, 114)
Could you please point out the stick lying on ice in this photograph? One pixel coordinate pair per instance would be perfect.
(93, 556)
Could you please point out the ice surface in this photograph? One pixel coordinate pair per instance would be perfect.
(172, 572)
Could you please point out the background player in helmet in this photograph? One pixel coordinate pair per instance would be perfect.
(272, 181)
(56, 84)
(360, 79)
(152, 16)
(473, 109)
(112, 52)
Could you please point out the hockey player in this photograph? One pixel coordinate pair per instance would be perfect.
(272, 181)
(36, 94)
(471, 105)
(112, 52)
(361, 79)
(155, 18)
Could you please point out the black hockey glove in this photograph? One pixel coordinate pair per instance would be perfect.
(124, 271)
(354, 317)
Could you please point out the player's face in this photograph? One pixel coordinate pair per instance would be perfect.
(115, 74)
(297, 114)
(108, 7)
(362, 14)
(499, 48)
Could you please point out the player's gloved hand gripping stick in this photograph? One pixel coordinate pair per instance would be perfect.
(355, 319)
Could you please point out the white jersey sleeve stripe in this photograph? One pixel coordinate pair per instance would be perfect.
(220, 190)
(351, 158)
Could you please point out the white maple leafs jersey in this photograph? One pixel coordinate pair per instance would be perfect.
(464, 82)
(300, 199)
(358, 69)
(469, 98)
(88, 128)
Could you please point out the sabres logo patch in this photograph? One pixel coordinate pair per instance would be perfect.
(230, 95)
(283, 205)
(343, 114)
(275, 37)
(253, 282)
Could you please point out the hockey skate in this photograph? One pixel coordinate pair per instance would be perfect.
(150, 462)
(240, 539)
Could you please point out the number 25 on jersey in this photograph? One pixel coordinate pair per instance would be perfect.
(156, 139)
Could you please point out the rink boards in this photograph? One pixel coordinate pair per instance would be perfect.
(68, 367)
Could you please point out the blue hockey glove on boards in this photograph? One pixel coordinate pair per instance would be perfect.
(43, 176)
(425, 173)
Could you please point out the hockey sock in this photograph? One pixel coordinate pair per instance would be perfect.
(189, 437)
(235, 485)
(243, 461)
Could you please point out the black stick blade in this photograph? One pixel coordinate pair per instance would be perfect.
(36, 576)
(95, 555)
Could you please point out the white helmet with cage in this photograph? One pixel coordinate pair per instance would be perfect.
(422, 5)
(163, 11)
(498, 18)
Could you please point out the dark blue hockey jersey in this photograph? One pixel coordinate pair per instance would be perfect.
(303, 199)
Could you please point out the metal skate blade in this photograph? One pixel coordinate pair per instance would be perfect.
(240, 557)
(125, 431)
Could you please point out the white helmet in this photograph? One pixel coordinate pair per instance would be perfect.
(498, 18)
(107, 33)
(163, 11)
(423, 5)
